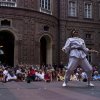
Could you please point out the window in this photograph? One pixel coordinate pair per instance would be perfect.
(45, 6)
(88, 36)
(8, 3)
(5, 23)
(89, 57)
(72, 8)
(88, 10)
(46, 28)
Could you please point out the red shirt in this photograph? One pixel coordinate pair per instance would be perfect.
(47, 77)
(31, 72)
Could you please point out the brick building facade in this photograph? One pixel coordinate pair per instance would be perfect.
(34, 31)
(84, 15)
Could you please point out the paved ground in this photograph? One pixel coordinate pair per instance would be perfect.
(49, 91)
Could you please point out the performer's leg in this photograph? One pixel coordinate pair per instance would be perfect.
(88, 68)
(73, 62)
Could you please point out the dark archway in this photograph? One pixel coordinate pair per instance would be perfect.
(7, 41)
(43, 46)
(45, 50)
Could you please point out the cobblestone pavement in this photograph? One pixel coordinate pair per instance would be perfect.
(49, 91)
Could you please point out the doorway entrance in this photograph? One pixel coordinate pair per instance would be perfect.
(45, 50)
(7, 46)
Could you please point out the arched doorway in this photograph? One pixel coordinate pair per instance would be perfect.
(45, 50)
(7, 46)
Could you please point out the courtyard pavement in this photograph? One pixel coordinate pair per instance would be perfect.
(49, 91)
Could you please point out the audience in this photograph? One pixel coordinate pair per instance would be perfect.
(47, 73)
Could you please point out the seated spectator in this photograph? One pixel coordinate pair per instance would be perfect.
(47, 76)
(5, 74)
(96, 76)
(19, 75)
(8, 75)
(78, 73)
(60, 75)
(84, 76)
(31, 75)
(73, 77)
(40, 75)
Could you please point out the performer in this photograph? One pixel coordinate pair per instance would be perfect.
(77, 51)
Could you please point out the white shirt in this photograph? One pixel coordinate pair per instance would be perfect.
(18, 72)
(5, 72)
(76, 42)
(41, 76)
(84, 75)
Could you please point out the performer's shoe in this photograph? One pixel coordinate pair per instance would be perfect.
(91, 85)
(64, 84)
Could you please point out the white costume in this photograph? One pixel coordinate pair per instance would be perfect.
(77, 53)
(77, 50)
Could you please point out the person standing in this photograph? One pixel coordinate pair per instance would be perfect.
(77, 50)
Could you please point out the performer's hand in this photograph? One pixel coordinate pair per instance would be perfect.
(95, 51)
(63, 49)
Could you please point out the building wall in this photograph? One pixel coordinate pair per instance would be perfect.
(27, 25)
(35, 5)
(29, 22)
(84, 25)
